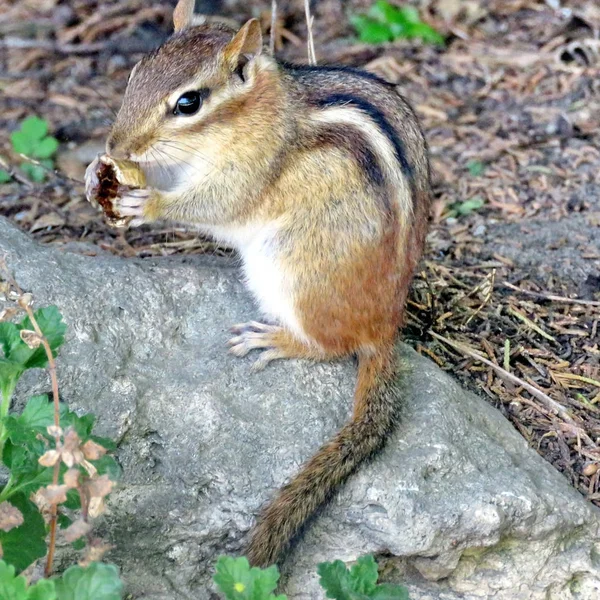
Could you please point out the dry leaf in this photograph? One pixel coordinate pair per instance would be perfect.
(31, 338)
(54, 494)
(93, 451)
(50, 458)
(25, 300)
(71, 478)
(99, 487)
(10, 516)
(47, 220)
(96, 507)
(76, 530)
(54, 430)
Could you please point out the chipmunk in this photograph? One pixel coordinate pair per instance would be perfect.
(319, 177)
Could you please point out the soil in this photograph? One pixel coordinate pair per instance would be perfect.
(508, 297)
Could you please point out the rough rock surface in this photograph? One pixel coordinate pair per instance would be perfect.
(457, 502)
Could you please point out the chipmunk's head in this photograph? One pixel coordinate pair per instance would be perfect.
(190, 95)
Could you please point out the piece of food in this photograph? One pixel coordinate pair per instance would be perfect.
(106, 179)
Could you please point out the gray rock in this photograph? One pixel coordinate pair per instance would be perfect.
(457, 503)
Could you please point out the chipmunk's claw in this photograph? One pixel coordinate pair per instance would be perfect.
(131, 203)
(255, 336)
(266, 357)
(255, 327)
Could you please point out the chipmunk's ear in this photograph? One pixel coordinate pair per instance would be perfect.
(183, 14)
(247, 42)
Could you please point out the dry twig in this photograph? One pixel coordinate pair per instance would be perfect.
(273, 27)
(312, 59)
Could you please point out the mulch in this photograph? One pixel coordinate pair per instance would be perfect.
(511, 108)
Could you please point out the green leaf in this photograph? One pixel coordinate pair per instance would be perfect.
(21, 143)
(370, 31)
(44, 589)
(5, 176)
(476, 168)
(388, 591)
(53, 327)
(357, 584)
(26, 428)
(73, 500)
(37, 415)
(45, 148)
(96, 582)
(408, 14)
(9, 375)
(34, 128)
(335, 580)
(363, 575)
(384, 12)
(36, 173)
(9, 338)
(26, 543)
(26, 473)
(238, 581)
(107, 465)
(82, 425)
(105, 442)
(424, 32)
(11, 586)
(469, 206)
(385, 22)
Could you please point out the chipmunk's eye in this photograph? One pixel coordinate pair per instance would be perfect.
(190, 102)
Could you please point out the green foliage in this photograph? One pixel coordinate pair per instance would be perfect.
(4, 176)
(35, 452)
(16, 588)
(25, 544)
(18, 356)
(95, 582)
(467, 207)
(386, 23)
(32, 140)
(237, 581)
(358, 583)
(476, 168)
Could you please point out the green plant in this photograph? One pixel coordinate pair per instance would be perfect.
(32, 140)
(59, 473)
(94, 582)
(238, 581)
(476, 168)
(465, 207)
(386, 23)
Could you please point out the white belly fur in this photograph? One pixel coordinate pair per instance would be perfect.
(264, 276)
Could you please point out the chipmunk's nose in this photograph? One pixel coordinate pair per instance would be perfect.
(114, 151)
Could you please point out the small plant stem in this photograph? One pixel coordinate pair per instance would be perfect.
(312, 59)
(273, 27)
(56, 472)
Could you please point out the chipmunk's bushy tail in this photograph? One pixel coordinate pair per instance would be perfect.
(375, 412)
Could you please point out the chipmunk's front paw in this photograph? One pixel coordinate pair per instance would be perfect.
(131, 204)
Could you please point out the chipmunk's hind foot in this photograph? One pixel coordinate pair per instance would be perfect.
(275, 342)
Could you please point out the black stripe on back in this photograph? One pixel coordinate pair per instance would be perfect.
(354, 143)
(378, 118)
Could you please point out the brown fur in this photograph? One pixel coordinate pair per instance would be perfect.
(350, 215)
